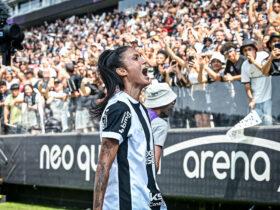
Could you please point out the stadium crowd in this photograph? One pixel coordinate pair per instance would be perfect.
(52, 84)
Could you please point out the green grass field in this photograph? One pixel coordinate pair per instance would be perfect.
(21, 206)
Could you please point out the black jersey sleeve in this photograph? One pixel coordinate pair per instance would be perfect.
(116, 121)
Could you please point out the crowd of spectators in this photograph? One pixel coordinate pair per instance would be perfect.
(52, 83)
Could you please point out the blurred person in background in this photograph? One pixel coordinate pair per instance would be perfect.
(81, 124)
(219, 39)
(271, 66)
(233, 63)
(208, 42)
(258, 86)
(161, 66)
(9, 77)
(272, 63)
(30, 117)
(236, 30)
(91, 88)
(4, 92)
(199, 117)
(223, 94)
(274, 13)
(45, 82)
(73, 85)
(56, 99)
(29, 78)
(175, 75)
(13, 110)
(169, 23)
(159, 100)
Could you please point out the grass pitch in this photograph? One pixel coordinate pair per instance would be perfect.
(22, 206)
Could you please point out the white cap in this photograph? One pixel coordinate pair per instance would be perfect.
(158, 95)
(218, 56)
(152, 33)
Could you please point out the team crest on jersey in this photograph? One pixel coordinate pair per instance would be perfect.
(104, 119)
(124, 121)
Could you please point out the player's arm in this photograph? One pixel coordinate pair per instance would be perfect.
(158, 150)
(109, 148)
(117, 122)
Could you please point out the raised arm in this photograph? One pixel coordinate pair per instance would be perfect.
(18, 73)
(151, 62)
(252, 18)
(201, 65)
(109, 149)
(2, 71)
(267, 66)
(84, 89)
(270, 10)
(228, 35)
(180, 75)
(169, 51)
(272, 17)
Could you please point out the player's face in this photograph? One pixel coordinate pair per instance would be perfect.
(136, 68)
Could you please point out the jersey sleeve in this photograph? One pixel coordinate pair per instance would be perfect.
(116, 121)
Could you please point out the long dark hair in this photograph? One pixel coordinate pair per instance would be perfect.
(108, 61)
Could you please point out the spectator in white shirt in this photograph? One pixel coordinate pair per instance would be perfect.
(257, 85)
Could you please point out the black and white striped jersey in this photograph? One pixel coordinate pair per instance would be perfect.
(132, 183)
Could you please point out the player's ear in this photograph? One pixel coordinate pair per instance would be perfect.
(121, 71)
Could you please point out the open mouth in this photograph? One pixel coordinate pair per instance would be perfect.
(145, 71)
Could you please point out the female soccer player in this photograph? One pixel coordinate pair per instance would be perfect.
(125, 175)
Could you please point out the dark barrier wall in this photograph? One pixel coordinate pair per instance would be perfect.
(222, 98)
(198, 163)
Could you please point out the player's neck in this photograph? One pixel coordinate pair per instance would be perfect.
(133, 92)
